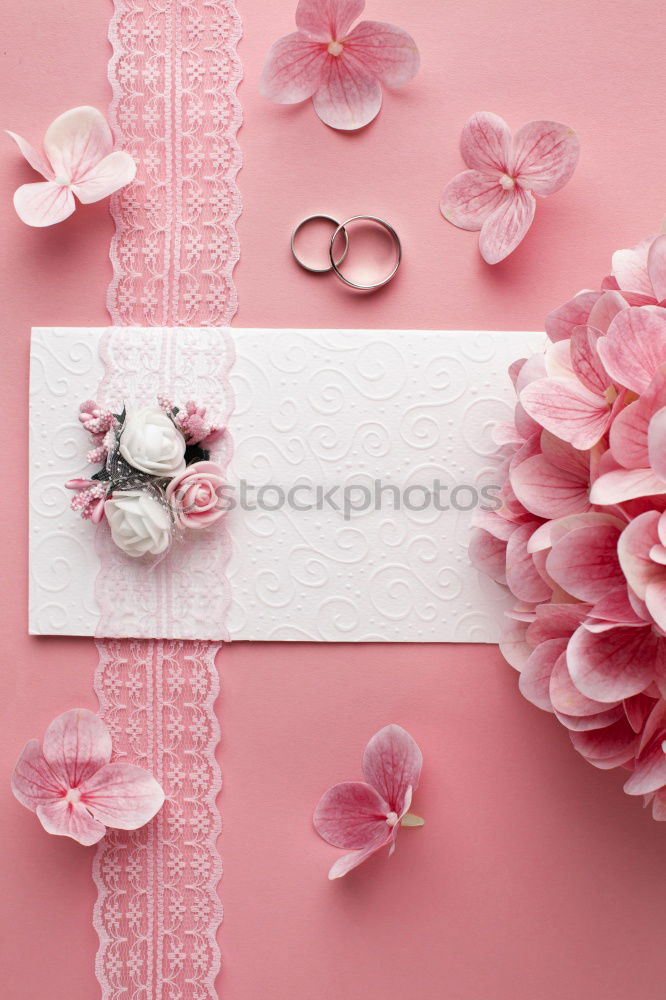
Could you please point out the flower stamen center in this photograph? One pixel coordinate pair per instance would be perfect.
(335, 48)
(392, 819)
(507, 182)
(73, 795)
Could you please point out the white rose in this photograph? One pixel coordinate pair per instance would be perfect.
(139, 524)
(152, 443)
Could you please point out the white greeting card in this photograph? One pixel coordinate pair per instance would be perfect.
(358, 459)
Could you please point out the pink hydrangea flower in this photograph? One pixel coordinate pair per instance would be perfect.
(364, 816)
(78, 159)
(580, 539)
(497, 194)
(74, 789)
(340, 68)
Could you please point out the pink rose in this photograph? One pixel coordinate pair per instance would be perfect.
(195, 495)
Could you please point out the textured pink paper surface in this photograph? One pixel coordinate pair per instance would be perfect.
(534, 877)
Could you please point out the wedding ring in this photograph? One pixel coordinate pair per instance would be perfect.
(338, 229)
(335, 265)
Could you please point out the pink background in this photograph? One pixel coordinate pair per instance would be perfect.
(534, 878)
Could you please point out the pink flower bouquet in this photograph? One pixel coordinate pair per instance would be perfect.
(580, 538)
(156, 476)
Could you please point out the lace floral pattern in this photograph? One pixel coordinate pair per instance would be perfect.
(158, 910)
(174, 74)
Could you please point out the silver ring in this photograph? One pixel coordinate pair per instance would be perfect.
(335, 265)
(339, 229)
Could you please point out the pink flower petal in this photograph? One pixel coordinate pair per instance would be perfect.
(522, 576)
(625, 484)
(629, 430)
(608, 747)
(469, 199)
(352, 815)
(76, 745)
(122, 796)
(561, 322)
(35, 159)
(327, 20)
(604, 311)
(514, 648)
(555, 621)
(656, 441)
(634, 552)
(615, 608)
(545, 155)
(389, 53)
(70, 819)
(293, 70)
(106, 177)
(548, 491)
(635, 347)
(348, 862)
(485, 143)
(567, 700)
(612, 665)
(586, 723)
(656, 267)
(586, 361)
(506, 226)
(348, 97)
(534, 681)
(488, 554)
(33, 781)
(76, 141)
(630, 269)
(649, 774)
(655, 599)
(43, 204)
(585, 562)
(567, 409)
(392, 764)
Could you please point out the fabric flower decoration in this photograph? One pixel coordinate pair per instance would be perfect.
(69, 782)
(151, 442)
(140, 524)
(342, 70)
(195, 495)
(497, 194)
(78, 159)
(364, 816)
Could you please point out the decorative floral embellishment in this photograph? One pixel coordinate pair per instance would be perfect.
(140, 524)
(74, 789)
(497, 194)
(156, 475)
(78, 160)
(342, 70)
(580, 537)
(151, 442)
(195, 495)
(364, 816)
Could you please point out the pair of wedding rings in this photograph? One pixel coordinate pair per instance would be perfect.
(337, 259)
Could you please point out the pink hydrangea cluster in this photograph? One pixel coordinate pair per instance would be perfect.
(580, 538)
(192, 422)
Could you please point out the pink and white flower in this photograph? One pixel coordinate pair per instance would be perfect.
(78, 159)
(70, 782)
(497, 194)
(364, 816)
(341, 68)
(195, 495)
